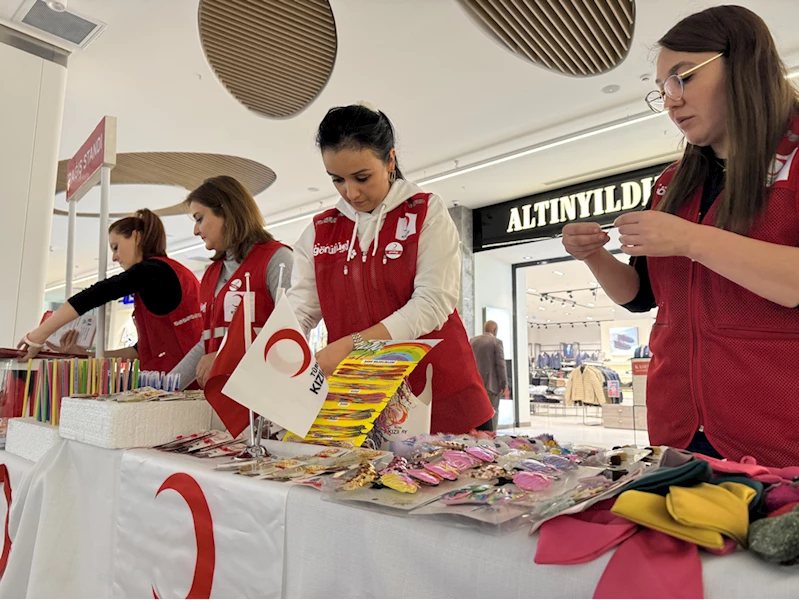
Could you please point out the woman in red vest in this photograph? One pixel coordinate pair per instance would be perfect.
(385, 264)
(228, 220)
(166, 298)
(717, 253)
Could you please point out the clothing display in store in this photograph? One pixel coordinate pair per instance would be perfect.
(590, 384)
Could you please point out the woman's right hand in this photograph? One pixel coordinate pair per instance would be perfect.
(583, 240)
(69, 344)
(204, 368)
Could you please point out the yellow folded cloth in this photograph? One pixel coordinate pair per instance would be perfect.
(650, 511)
(722, 508)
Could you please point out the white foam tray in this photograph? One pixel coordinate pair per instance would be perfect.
(133, 424)
(30, 439)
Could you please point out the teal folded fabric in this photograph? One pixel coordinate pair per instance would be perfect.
(685, 475)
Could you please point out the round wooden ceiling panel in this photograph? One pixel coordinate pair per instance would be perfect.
(581, 39)
(184, 169)
(273, 56)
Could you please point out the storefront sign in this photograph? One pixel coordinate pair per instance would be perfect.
(544, 215)
(83, 169)
(641, 366)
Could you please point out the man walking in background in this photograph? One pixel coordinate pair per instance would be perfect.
(490, 356)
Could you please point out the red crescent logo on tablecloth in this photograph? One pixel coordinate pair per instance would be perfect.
(277, 362)
(4, 478)
(187, 486)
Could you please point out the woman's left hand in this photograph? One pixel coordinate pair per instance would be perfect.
(31, 344)
(655, 233)
(331, 355)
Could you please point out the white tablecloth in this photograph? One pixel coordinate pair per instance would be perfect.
(89, 523)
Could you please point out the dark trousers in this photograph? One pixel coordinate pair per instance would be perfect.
(491, 424)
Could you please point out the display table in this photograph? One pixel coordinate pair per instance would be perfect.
(92, 523)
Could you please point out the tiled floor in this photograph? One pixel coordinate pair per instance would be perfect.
(572, 429)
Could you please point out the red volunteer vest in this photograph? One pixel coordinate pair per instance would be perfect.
(724, 358)
(218, 309)
(164, 340)
(374, 287)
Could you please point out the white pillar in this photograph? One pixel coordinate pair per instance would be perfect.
(31, 109)
(102, 261)
(71, 229)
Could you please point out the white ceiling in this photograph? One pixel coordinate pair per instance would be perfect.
(454, 95)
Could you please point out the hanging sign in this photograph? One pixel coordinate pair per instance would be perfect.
(83, 169)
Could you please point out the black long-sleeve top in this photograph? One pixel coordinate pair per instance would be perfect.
(154, 280)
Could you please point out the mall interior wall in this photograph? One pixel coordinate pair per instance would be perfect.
(31, 109)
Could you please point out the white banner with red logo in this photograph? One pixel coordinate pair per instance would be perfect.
(187, 531)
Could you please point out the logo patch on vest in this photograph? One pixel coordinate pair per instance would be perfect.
(235, 285)
(406, 226)
(330, 249)
(232, 302)
(393, 250)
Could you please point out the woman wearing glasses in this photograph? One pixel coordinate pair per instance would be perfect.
(717, 254)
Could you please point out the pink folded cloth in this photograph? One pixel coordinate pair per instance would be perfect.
(652, 564)
(749, 467)
(780, 495)
(582, 537)
(783, 510)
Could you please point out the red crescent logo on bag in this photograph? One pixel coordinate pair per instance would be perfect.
(277, 361)
(187, 486)
(4, 478)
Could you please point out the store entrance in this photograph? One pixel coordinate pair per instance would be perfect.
(581, 351)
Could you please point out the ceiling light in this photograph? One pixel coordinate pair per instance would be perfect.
(593, 283)
(612, 310)
(563, 304)
(566, 313)
(549, 320)
(557, 273)
(590, 318)
(541, 308)
(530, 291)
(527, 257)
(57, 5)
(567, 139)
(591, 304)
(611, 89)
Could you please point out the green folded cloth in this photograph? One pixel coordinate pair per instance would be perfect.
(660, 480)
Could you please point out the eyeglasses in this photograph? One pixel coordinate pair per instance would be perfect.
(673, 87)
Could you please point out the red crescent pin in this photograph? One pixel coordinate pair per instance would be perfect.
(190, 490)
(294, 336)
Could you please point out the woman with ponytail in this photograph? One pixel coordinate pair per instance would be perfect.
(166, 298)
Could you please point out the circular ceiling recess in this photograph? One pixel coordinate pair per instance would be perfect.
(184, 169)
(273, 56)
(581, 39)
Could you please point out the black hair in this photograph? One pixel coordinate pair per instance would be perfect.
(357, 127)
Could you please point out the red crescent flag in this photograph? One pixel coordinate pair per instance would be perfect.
(235, 416)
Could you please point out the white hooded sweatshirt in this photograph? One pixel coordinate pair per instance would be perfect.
(438, 264)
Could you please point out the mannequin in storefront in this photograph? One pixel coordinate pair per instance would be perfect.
(717, 252)
(385, 264)
(166, 298)
(227, 218)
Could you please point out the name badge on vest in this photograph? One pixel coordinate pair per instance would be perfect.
(406, 227)
(233, 301)
(393, 250)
